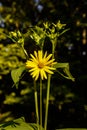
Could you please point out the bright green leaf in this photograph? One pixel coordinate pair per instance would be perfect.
(16, 74)
(18, 124)
(61, 65)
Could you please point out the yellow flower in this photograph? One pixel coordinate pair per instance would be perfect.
(40, 65)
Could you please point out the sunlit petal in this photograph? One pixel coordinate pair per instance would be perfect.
(30, 64)
(49, 68)
(35, 74)
(48, 57)
(49, 62)
(33, 69)
(44, 74)
(49, 71)
(45, 55)
(41, 73)
(40, 55)
(35, 53)
(33, 58)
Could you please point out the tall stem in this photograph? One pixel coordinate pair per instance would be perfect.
(36, 105)
(48, 88)
(41, 103)
(47, 102)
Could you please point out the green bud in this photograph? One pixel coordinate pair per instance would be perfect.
(19, 34)
(21, 41)
(13, 34)
(59, 25)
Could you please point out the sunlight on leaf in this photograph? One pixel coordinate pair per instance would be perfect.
(16, 74)
(61, 65)
(10, 99)
(18, 124)
(25, 91)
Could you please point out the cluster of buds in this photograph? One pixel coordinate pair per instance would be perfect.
(53, 30)
(17, 37)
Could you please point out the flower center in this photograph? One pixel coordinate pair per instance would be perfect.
(40, 65)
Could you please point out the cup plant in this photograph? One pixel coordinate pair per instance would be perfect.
(41, 66)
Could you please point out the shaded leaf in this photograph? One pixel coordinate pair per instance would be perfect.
(66, 71)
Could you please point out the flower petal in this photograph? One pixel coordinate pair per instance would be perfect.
(35, 53)
(49, 62)
(40, 55)
(48, 57)
(30, 64)
(45, 55)
(48, 69)
(43, 74)
(33, 69)
(35, 74)
(34, 59)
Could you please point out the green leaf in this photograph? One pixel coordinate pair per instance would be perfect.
(65, 67)
(61, 65)
(35, 126)
(19, 124)
(16, 75)
(67, 72)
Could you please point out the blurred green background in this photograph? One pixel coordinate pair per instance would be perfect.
(68, 101)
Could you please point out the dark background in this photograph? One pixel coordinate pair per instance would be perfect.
(68, 107)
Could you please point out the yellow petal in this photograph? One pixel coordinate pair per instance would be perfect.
(50, 62)
(48, 70)
(30, 64)
(35, 53)
(33, 58)
(43, 74)
(35, 74)
(40, 55)
(33, 69)
(48, 57)
(45, 55)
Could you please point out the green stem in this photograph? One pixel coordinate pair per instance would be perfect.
(48, 88)
(36, 104)
(25, 52)
(47, 101)
(40, 102)
(53, 46)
